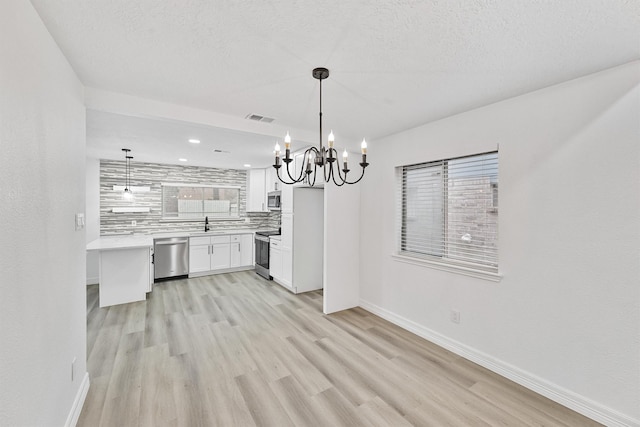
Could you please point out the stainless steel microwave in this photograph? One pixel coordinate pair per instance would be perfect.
(273, 200)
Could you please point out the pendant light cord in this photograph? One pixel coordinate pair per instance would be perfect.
(320, 116)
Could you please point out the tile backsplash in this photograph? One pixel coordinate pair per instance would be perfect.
(151, 175)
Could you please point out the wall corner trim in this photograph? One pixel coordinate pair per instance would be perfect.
(78, 402)
(571, 400)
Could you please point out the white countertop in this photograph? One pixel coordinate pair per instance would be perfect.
(128, 241)
(131, 241)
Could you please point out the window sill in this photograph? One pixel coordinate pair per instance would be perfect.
(452, 268)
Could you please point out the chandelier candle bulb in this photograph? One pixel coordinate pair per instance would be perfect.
(331, 139)
(363, 146)
(277, 149)
(287, 142)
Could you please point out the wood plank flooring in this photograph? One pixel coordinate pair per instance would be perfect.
(237, 350)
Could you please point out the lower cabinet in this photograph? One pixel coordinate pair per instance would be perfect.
(220, 256)
(275, 260)
(199, 255)
(217, 254)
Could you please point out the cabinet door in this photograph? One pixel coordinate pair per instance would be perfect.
(151, 270)
(199, 258)
(235, 255)
(246, 249)
(273, 183)
(286, 225)
(220, 256)
(275, 262)
(256, 191)
(287, 267)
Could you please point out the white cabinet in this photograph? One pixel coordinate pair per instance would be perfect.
(221, 254)
(302, 227)
(217, 254)
(286, 199)
(241, 250)
(272, 181)
(199, 254)
(286, 250)
(275, 260)
(151, 270)
(256, 191)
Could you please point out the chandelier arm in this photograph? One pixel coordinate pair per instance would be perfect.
(356, 181)
(293, 180)
(315, 172)
(306, 160)
(282, 180)
(342, 180)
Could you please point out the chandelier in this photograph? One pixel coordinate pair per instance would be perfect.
(318, 158)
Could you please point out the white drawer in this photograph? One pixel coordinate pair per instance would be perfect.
(275, 243)
(193, 241)
(220, 239)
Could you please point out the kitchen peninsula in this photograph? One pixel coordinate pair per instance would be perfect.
(126, 271)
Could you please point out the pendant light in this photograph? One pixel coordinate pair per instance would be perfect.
(321, 157)
(127, 194)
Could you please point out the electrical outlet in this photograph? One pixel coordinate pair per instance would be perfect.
(134, 223)
(73, 368)
(455, 316)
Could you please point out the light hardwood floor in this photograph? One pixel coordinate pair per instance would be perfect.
(237, 350)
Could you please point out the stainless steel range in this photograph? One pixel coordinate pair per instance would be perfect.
(262, 252)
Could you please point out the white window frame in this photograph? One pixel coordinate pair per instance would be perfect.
(442, 261)
(200, 217)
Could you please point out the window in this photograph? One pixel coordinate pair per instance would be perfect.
(448, 212)
(189, 201)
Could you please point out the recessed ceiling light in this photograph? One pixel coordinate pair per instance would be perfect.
(194, 141)
(247, 165)
(182, 160)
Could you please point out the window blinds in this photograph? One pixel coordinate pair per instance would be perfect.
(448, 210)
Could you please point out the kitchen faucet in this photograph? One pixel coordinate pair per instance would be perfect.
(206, 223)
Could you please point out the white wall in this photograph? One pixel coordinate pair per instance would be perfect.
(92, 197)
(42, 257)
(565, 319)
(341, 275)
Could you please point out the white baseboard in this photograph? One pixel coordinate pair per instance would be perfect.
(574, 401)
(78, 402)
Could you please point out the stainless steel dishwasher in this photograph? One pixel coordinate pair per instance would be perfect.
(171, 257)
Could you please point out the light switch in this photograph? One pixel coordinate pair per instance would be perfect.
(79, 221)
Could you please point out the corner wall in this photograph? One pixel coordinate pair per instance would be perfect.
(565, 319)
(42, 256)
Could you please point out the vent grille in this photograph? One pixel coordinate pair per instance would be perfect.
(259, 118)
(216, 150)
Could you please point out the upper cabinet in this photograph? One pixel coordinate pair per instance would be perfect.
(259, 183)
(256, 191)
(272, 181)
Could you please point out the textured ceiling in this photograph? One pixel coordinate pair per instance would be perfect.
(394, 64)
